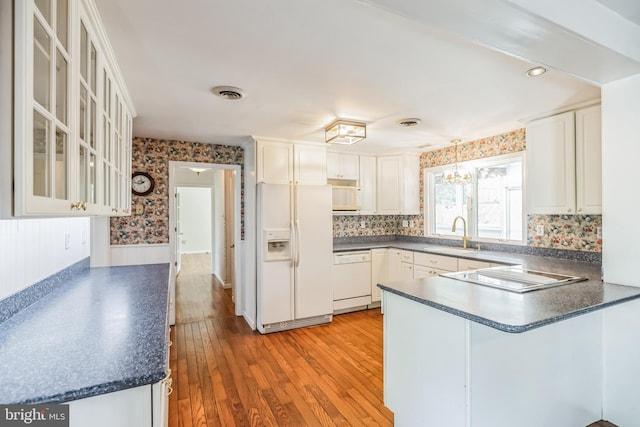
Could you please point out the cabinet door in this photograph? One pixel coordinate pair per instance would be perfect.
(342, 166)
(406, 272)
(411, 185)
(275, 162)
(379, 271)
(310, 165)
(333, 166)
(44, 120)
(367, 192)
(588, 161)
(395, 264)
(127, 408)
(550, 163)
(389, 184)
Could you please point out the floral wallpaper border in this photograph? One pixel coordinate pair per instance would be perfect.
(152, 156)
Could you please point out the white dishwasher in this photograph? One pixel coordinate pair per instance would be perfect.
(351, 281)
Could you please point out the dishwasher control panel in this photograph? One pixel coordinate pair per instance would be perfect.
(351, 257)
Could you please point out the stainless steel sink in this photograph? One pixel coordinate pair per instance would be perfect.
(513, 278)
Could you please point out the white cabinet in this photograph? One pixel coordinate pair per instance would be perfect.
(406, 271)
(470, 264)
(275, 162)
(379, 271)
(395, 264)
(367, 182)
(342, 166)
(589, 161)
(284, 162)
(564, 163)
(60, 132)
(398, 185)
(126, 408)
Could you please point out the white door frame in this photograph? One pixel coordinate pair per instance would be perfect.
(173, 165)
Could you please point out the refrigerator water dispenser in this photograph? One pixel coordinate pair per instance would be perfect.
(277, 245)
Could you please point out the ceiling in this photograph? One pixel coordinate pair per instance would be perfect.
(304, 63)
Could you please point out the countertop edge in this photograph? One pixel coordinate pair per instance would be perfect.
(514, 329)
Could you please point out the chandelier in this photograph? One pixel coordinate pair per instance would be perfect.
(345, 132)
(456, 175)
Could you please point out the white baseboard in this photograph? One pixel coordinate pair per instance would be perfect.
(249, 320)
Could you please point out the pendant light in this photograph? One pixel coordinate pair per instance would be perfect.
(456, 175)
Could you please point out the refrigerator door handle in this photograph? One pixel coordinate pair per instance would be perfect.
(297, 245)
(293, 244)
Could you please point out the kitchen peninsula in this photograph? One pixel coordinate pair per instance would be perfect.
(462, 354)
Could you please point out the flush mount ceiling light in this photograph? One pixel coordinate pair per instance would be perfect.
(229, 92)
(536, 71)
(345, 132)
(456, 175)
(408, 122)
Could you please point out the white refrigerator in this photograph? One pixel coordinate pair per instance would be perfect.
(295, 248)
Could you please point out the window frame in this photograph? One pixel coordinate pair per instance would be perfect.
(472, 229)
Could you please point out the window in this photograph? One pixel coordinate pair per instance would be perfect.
(491, 204)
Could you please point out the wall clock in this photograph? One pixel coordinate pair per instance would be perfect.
(141, 183)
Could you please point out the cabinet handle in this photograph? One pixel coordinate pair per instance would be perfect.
(433, 262)
(79, 206)
(114, 210)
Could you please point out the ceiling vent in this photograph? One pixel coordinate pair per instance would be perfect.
(229, 92)
(408, 122)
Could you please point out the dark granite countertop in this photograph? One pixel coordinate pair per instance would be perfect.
(104, 330)
(501, 309)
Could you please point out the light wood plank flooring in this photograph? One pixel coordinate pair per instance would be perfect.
(224, 374)
(227, 375)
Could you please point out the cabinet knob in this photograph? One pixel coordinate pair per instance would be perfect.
(579, 209)
(568, 209)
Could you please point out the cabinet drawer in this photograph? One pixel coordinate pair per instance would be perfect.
(470, 264)
(436, 261)
(407, 256)
(420, 271)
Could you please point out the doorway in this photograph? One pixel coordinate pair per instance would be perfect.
(204, 234)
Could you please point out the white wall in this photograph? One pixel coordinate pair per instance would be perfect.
(34, 249)
(218, 227)
(620, 178)
(195, 219)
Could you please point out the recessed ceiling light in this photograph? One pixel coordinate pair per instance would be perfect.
(536, 71)
(229, 92)
(408, 122)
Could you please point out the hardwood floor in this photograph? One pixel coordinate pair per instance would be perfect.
(224, 374)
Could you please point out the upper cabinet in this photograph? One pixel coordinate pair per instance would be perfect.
(286, 163)
(72, 114)
(563, 160)
(398, 184)
(342, 166)
(589, 161)
(367, 182)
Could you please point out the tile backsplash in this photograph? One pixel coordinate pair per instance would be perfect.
(573, 232)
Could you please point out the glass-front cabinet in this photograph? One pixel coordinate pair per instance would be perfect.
(73, 115)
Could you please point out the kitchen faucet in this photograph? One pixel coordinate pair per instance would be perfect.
(464, 230)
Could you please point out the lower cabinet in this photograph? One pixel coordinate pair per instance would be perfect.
(144, 406)
(406, 271)
(379, 272)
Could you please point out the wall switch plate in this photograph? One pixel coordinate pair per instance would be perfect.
(363, 224)
(67, 240)
(539, 230)
(405, 223)
(412, 223)
(599, 232)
